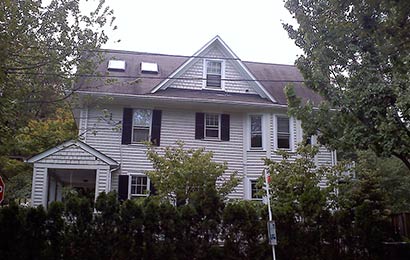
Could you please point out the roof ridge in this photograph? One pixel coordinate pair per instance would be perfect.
(141, 52)
(182, 56)
(268, 63)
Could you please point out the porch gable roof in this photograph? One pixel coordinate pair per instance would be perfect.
(83, 146)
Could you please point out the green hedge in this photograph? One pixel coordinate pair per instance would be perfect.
(150, 229)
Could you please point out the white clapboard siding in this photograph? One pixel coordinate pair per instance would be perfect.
(324, 157)
(254, 163)
(176, 125)
(105, 136)
(102, 180)
(72, 155)
(195, 73)
(39, 186)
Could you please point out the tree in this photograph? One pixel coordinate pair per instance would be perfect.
(324, 213)
(189, 176)
(196, 184)
(42, 49)
(356, 56)
(393, 178)
(301, 208)
(363, 214)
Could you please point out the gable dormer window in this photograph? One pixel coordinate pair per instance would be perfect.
(214, 71)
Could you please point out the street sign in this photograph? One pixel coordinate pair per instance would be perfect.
(272, 233)
(2, 187)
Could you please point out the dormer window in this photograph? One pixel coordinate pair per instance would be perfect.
(214, 70)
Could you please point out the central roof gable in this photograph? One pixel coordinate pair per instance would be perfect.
(190, 73)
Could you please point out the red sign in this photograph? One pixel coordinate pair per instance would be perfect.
(2, 187)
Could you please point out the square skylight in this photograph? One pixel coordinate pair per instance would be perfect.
(149, 67)
(117, 65)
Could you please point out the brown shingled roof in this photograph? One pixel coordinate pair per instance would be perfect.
(273, 77)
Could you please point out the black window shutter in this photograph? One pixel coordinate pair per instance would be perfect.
(225, 127)
(126, 126)
(153, 190)
(156, 127)
(123, 187)
(199, 125)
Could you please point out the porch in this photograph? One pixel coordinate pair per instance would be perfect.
(71, 165)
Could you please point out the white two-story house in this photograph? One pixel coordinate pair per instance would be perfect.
(211, 99)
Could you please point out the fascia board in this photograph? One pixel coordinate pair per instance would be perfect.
(67, 144)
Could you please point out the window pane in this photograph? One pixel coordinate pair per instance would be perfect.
(212, 125)
(255, 190)
(256, 124)
(283, 141)
(212, 120)
(283, 133)
(283, 124)
(140, 135)
(139, 185)
(142, 117)
(214, 67)
(213, 80)
(256, 141)
(213, 73)
(256, 131)
(212, 133)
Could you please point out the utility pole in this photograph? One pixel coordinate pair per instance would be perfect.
(271, 224)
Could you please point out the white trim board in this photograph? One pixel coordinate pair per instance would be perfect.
(67, 144)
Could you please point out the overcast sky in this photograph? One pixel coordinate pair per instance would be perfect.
(252, 29)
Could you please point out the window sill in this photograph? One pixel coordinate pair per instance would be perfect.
(139, 195)
(212, 139)
(291, 151)
(256, 150)
(144, 144)
(284, 149)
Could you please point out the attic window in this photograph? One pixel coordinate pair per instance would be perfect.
(214, 70)
(149, 67)
(116, 65)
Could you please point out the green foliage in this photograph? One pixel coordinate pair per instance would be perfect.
(245, 231)
(345, 218)
(188, 175)
(19, 185)
(301, 208)
(364, 215)
(153, 229)
(357, 57)
(393, 179)
(42, 134)
(42, 48)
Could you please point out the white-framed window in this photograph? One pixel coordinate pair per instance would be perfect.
(140, 185)
(214, 72)
(212, 126)
(283, 132)
(255, 190)
(141, 125)
(256, 132)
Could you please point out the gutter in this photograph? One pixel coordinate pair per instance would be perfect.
(186, 100)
